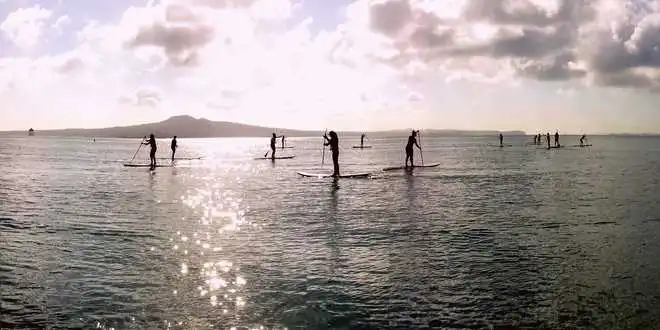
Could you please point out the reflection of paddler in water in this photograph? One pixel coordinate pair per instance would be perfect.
(152, 154)
(333, 142)
(412, 141)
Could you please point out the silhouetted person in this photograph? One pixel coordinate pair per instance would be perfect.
(273, 141)
(173, 146)
(152, 153)
(333, 142)
(582, 139)
(282, 141)
(535, 136)
(501, 140)
(362, 140)
(547, 138)
(556, 138)
(412, 141)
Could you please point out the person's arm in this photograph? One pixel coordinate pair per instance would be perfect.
(327, 141)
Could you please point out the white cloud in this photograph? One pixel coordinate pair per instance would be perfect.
(61, 22)
(24, 26)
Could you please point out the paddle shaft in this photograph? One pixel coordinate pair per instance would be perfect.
(421, 153)
(323, 156)
(138, 150)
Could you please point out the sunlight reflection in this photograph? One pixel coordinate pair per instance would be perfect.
(218, 216)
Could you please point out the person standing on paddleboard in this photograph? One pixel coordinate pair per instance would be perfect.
(152, 154)
(584, 136)
(333, 142)
(173, 146)
(547, 138)
(362, 140)
(412, 141)
(273, 141)
(282, 141)
(501, 140)
(557, 139)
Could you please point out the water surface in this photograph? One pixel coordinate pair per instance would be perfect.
(517, 236)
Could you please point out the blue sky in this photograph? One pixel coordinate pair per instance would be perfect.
(536, 65)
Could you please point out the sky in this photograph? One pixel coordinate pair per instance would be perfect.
(577, 66)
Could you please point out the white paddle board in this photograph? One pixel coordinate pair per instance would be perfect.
(326, 175)
(394, 168)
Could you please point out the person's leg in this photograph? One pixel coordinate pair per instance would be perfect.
(272, 153)
(335, 162)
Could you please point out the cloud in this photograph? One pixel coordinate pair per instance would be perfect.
(143, 97)
(61, 22)
(24, 26)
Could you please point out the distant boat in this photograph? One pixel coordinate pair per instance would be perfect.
(31, 132)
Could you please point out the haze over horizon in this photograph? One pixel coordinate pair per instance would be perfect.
(532, 65)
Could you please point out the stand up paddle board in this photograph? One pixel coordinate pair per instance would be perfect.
(326, 175)
(584, 145)
(555, 147)
(270, 158)
(146, 165)
(394, 168)
(179, 158)
(287, 147)
(361, 147)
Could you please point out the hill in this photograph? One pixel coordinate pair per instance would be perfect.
(189, 127)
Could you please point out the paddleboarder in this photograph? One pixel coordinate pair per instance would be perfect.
(584, 136)
(173, 146)
(557, 139)
(273, 141)
(282, 141)
(501, 140)
(547, 138)
(333, 142)
(362, 140)
(412, 141)
(152, 154)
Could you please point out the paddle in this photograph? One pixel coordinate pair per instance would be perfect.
(421, 153)
(138, 150)
(323, 157)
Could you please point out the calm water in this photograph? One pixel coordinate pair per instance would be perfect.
(519, 236)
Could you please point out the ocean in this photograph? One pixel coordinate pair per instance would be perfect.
(493, 237)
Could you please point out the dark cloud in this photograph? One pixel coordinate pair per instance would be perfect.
(523, 43)
(179, 42)
(389, 17)
(574, 40)
(553, 68)
(526, 12)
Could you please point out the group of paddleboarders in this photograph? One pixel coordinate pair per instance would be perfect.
(151, 142)
(539, 137)
(332, 140)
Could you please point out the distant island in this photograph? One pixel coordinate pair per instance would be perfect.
(189, 127)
